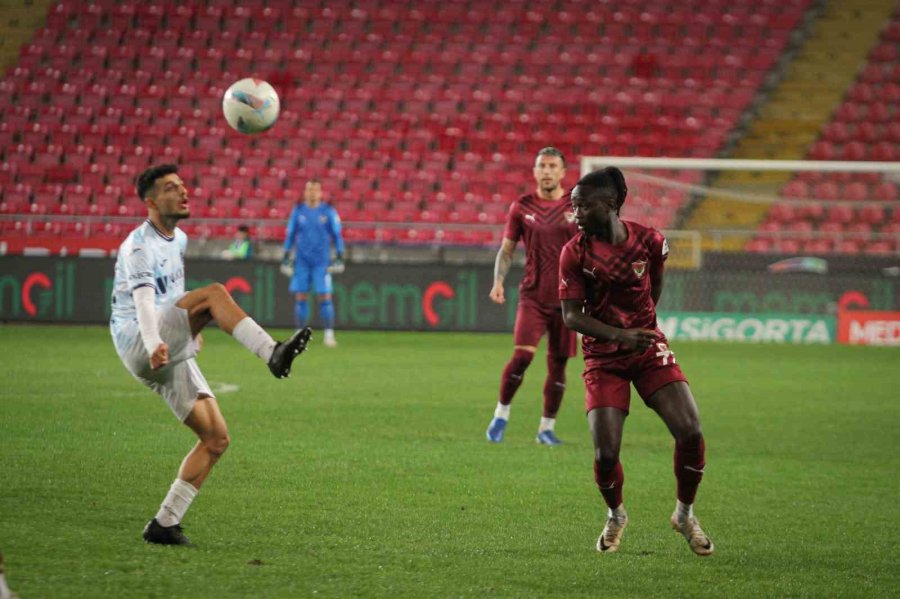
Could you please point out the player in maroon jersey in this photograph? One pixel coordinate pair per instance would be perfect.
(610, 280)
(542, 220)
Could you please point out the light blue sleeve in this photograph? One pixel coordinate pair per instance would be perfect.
(334, 223)
(138, 266)
(291, 230)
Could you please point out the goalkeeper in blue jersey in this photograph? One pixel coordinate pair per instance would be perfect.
(312, 228)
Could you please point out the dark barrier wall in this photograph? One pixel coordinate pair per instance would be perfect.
(418, 297)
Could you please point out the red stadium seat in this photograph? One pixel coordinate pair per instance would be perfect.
(378, 79)
(885, 191)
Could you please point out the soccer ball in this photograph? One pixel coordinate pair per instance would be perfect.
(251, 106)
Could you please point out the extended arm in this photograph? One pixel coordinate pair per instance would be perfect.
(336, 235)
(147, 323)
(291, 233)
(629, 339)
(502, 265)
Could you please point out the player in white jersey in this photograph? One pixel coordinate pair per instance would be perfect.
(5, 593)
(156, 328)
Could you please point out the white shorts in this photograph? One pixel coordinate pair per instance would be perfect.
(180, 381)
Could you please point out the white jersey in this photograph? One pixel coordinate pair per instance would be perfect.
(147, 258)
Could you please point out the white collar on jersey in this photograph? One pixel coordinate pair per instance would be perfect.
(160, 233)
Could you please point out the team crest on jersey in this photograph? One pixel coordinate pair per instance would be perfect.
(640, 267)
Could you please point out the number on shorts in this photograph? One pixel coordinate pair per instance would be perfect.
(665, 353)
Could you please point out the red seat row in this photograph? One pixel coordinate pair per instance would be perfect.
(391, 103)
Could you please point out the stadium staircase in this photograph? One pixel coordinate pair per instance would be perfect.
(18, 21)
(807, 98)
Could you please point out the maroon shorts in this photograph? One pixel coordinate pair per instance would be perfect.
(534, 319)
(606, 381)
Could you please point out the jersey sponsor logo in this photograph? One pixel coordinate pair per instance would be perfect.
(165, 281)
(530, 218)
(639, 267)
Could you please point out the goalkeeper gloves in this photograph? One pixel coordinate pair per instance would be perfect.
(337, 267)
(286, 268)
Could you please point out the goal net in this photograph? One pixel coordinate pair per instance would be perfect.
(796, 208)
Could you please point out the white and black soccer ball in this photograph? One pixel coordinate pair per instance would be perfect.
(251, 106)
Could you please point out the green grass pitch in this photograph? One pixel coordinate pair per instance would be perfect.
(366, 474)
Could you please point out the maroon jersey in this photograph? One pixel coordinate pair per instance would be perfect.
(613, 281)
(544, 226)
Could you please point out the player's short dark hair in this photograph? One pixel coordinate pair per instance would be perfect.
(551, 151)
(244, 229)
(147, 179)
(608, 180)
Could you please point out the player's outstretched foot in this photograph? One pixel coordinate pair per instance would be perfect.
(548, 438)
(285, 352)
(612, 533)
(697, 540)
(496, 429)
(155, 532)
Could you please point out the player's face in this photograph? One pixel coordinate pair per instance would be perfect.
(548, 172)
(312, 194)
(593, 212)
(170, 197)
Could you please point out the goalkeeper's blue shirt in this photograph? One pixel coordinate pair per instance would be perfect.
(310, 233)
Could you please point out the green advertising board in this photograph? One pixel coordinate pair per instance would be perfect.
(443, 297)
(762, 328)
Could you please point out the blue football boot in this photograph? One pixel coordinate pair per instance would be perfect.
(548, 438)
(496, 429)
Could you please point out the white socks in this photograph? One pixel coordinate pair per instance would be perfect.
(683, 511)
(617, 513)
(4, 590)
(176, 503)
(253, 337)
(502, 411)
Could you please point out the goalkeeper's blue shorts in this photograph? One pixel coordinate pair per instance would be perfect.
(306, 275)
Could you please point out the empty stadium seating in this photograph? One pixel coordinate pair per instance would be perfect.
(408, 111)
(852, 207)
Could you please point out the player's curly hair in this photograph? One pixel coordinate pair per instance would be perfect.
(609, 180)
(147, 179)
